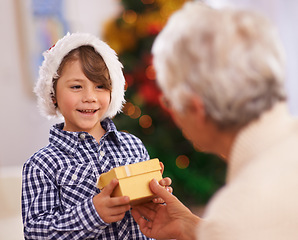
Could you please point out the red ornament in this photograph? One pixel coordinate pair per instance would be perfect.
(150, 93)
(154, 28)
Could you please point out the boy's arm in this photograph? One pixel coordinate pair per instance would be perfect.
(145, 153)
(44, 217)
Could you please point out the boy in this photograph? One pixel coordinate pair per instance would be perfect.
(80, 79)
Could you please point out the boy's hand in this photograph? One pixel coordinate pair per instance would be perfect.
(110, 209)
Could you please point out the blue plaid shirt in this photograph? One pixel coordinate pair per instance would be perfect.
(59, 182)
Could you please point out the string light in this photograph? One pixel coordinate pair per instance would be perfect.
(150, 72)
(129, 109)
(145, 121)
(130, 16)
(182, 161)
(137, 113)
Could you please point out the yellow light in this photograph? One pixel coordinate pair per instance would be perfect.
(182, 161)
(130, 16)
(145, 121)
(129, 109)
(137, 113)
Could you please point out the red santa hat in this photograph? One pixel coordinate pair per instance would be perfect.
(53, 57)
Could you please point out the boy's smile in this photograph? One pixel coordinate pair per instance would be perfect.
(81, 101)
(87, 111)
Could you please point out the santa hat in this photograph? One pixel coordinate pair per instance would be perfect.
(53, 57)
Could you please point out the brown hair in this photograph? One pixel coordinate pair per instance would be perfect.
(93, 66)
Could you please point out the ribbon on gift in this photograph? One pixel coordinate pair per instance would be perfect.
(126, 167)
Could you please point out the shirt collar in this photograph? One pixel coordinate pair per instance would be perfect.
(111, 130)
(69, 141)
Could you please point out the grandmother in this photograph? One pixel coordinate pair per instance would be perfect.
(221, 72)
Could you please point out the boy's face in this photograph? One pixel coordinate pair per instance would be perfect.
(81, 102)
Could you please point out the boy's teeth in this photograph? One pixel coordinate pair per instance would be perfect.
(87, 111)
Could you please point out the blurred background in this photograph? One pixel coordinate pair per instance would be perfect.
(29, 27)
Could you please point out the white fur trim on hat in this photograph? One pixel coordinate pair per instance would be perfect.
(52, 60)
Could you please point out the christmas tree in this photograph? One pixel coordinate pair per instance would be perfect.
(195, 175)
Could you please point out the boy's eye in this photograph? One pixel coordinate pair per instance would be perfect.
(99, 86)
(76, 87)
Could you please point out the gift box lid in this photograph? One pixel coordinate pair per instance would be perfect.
(128, 171)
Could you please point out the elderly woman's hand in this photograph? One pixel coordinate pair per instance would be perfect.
(165, 221)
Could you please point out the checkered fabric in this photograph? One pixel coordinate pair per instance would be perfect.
(59, 182)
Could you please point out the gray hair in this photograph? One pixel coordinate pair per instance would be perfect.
(232, 59)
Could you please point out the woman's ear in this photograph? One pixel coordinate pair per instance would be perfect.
(196, 106)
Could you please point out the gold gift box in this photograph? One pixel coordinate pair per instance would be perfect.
(133, 180)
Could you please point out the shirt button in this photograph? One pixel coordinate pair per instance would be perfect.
(74, 177)
(82, 136)
(102, 153)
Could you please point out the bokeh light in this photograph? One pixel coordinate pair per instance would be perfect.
(128, 109)
(150, 72)
(137, 113)
(130, 16)
(145, 121)
(182, 161)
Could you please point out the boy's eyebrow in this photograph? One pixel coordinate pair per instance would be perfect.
(74, 80)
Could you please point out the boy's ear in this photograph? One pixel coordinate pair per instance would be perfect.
(55, 101)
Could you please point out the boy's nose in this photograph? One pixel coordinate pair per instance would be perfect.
(89, 96)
